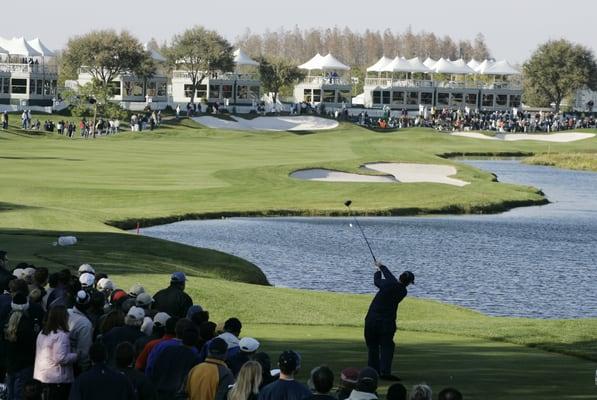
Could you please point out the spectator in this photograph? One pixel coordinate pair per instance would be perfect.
(173, 300)
(53, 359)
(449, 394)
(172, 365)
(266, 365)
(420, 392)
(366, 385)
(157, 331)
(143, 388)
(181, 326)
(248, 382)
(86, 269)
(169, 333)
(286, 388)
(5, 275)
(396, 392)
(232, 328)
(207, 331)
(101, 382)
(321, 382)
(130, 332)
(80, 330)
(210, 379)
(348, 382)
(248, 347)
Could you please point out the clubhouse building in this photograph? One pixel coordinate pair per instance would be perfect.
(327, 82)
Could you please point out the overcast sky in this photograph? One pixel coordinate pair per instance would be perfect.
(512, 28)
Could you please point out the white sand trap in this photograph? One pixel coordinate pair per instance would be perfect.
(298, 123)
(560, 137)
(399, 172)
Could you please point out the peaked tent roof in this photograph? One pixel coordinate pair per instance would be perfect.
(444, 66)
(20, 47)
(331, 62)
(378, 66)
(241, 58)
(473, 64)
(484, 66)
(502, 67)
(429, 62)
(313, 63)
(37, 45)
(154, 54)
(417, 66)
(3, 50)
(398, 64)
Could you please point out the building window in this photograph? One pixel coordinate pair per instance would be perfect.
(398, 98)
(242, 92)
(152, 90)
(254, 92)
(471, 99)
(426, 98)
(19, 86)
(457, 99)
(501, 100)
(128, 89)
(188, 91)
(214, 91)
(227, 91)
(5, 85)
(329, 96)
(377, 97)
(515, 100)
(115, 88)
(344, 96)
(443, 99)
(487, 100)
(307, 95)
(162, 89)
(413, 98)
(138, 89)
(202, 91)
(316, 95)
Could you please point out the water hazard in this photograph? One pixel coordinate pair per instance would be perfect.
(531, 262)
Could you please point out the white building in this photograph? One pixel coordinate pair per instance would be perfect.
(327, 82)
(241, 87)
(28, 73)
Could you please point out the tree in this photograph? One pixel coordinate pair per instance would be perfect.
(200, 52)
(105, 55)
(277, 73)
(556, 70)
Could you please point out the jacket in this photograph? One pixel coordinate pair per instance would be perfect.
(141, 362)
(54, 359)
(171, 368)
(172, 300)
(81, 336)
(21, 353)
(100, 383)
(118, 335)
(209, 380)
(356, 395)
(390, 294)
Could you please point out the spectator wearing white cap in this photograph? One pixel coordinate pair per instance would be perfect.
(105, 286)
(86, 268)
(248, 347)
(80, 330)
(130, 332)
(87, 280)
(136, 290)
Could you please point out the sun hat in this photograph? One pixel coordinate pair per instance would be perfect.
(143, 300)
(248, 345)
(87, 280)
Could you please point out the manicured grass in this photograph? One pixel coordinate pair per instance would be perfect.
(579, 161)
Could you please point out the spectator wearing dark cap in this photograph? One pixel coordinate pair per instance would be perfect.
(101, 382)
(348, 382)
(80, 330)
(173, 300)
(366, 385)
(380, 322)
(286, 388)
(396, 392)
(210, 379)
(169, 333)
(321, 382)
(143, 388)
(449, 394)
(248, 347)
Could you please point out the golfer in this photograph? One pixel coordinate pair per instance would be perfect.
(380, 322)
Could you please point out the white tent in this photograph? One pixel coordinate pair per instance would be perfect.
(462, 64)
(398, 64)
(417, 66)
(378, 66)
(241, 58)
(444, 66)
(19, 47)
(429, 62)
(359, 99)
(3, 50)
(484, 66)
(154, 54)
(37, 45)
(502, 67)
(313, 63)
(473, 64)
(331, 62)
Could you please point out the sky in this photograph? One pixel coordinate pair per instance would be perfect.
(512, 28)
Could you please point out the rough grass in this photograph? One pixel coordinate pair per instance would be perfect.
(578, 161)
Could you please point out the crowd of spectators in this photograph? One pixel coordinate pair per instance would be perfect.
(76, 335)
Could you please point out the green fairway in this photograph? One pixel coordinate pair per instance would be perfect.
(51, 185)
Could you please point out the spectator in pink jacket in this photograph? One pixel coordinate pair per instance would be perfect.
(54, 359)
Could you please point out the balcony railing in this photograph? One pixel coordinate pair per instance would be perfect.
(389, 82)
(326, 80)
(227, 76)
(29, 68)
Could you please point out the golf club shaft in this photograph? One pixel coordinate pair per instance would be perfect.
(364, 237)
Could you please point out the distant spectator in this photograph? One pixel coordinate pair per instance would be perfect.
(5, 275)
(321, 382)
(210, 379)
(130, 332)
(143, 388)
(396, 392)
(248, 382)
(449, 394)
(286, 388)
(101, 382)
(169, 333)
(266, 365)
(232, 328)
(80, 330)
(366, 386)
(248, 347)
(348, 382)
(421, 392)
(173, 300)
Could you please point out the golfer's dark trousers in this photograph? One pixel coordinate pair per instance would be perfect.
(379, 337)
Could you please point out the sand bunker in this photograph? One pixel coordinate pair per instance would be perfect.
(560, 137)
(298, 123)
(398, 172)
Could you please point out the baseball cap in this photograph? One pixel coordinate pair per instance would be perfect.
(350, 375)
(86, 268)
(289, 360)
(143, 300)
(118, 295)
(136, 290)
(29, 271)
(136, 313)
(248, 345)
(218, 347)
(368, 376)
(408, 277)
(178, 277)
(19, 273)
(194, 309)
(86, 279)
(105, 284)
(160, 319)
(82, 297)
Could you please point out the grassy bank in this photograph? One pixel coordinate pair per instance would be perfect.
(578, 161)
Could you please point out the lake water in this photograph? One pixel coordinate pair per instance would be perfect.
(538, 262)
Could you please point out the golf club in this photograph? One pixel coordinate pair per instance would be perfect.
(347, 203)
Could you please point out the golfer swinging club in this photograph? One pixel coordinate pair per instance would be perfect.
(380, 322)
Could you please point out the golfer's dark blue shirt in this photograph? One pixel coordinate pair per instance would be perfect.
(390, 294)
